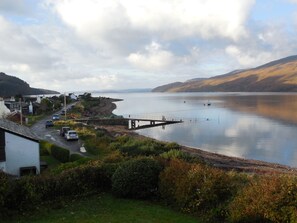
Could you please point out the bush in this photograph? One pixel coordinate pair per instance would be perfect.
(70, 165)
(175, 154)
(114, 157)
(60, 153)
(45, 148)
(197, 188)
(170, 177)
(148, 147)
(3, 189)
(267, 199)
(75, 157)
(98, 145)
(136, 178)
(172, 146)
(22, 193)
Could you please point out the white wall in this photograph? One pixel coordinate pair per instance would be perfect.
(4, 111)
(20, 152)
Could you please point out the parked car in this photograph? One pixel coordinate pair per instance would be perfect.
(63, 112)
(49, 123)
(63, 130)
(71, 135)
(56, 117)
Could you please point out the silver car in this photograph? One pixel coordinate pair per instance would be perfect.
(71, 135)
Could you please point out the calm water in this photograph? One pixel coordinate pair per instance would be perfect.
(248, 125)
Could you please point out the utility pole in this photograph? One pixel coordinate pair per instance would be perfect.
(21, 114)
(65, 110)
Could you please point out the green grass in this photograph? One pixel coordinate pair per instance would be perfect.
(104, 208)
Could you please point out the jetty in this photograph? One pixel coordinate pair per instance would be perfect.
(129, 123)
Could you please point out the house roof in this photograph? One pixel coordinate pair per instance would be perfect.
(17, 129)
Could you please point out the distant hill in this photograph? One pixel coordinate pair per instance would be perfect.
(167, 87)
(11, 86)
(133, 90)
(276, 76)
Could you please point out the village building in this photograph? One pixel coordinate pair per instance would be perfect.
(4, 111)
(19, 149)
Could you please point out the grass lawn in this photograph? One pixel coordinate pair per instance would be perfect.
(105, 208)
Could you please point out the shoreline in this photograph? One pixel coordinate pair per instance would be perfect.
(213, 159)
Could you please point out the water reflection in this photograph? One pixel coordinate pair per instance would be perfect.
(253, 126)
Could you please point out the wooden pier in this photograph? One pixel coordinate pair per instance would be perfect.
(134, 123)
(129, 123)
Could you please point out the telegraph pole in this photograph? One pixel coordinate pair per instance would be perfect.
(65, 105)
(21, 114)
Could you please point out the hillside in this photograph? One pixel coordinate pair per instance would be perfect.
(276, 76)
(11, 86)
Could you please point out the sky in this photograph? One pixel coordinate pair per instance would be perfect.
(84, 45)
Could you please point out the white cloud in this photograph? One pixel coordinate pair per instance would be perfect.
(13, 6)
(248, 57)
(159, 40)
(154, 58)
(168, 19)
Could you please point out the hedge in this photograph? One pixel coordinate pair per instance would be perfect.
(75, 157)
(266, 199)
(136, 178)
(24, 193)
(60, 153)
(199, 189)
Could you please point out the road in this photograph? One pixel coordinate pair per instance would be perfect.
(52, 135)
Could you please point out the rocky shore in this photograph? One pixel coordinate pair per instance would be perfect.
(214, 159)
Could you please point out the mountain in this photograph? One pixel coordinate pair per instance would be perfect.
(276, 76)
(132, 90)
(167, 87)
(11, 86)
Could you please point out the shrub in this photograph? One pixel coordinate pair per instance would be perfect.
(114, 157)
(75, 157)
(70, 165)
(267, 199)
(148, 147)
(98, 145)
(170, 178)
(85, 133)
(172, 146)
(21, 193)
(3, 189)
(136, 178)
(197, 188)
(175, 154)
(60, 153)
(45, 148)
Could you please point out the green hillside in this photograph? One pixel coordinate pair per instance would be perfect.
(11, 86)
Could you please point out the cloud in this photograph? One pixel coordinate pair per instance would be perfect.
(14, 7)
(248, 57)
(20, 51)
(159, 41)
(266, 42)
(99, 20)
(154, 58)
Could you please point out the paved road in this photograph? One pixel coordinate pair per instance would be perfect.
(52, 135)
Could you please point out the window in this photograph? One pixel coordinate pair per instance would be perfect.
(2, 145)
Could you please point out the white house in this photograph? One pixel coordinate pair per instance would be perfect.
(73, 96)
(19, 149)
(4, 111)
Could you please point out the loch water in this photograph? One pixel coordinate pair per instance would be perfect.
(261, 126)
